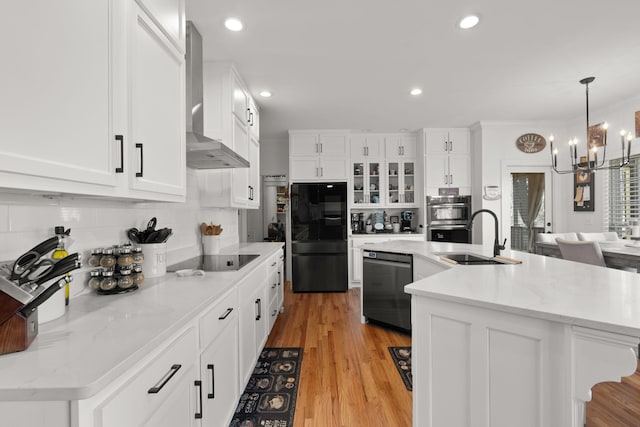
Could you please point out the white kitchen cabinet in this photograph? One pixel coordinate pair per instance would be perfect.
(281, 281)
(447, 160)
(91, 107)
(253, 318)
(401, 183)
(400, 146)
(448, 141)
(161, 392)
(231, 116)
(156, 98)
(367, 182)
(55, 105)
(318, 156)
(366, 146)
(170, 17)
(219, 361)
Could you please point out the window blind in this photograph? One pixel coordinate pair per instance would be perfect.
(624, 195)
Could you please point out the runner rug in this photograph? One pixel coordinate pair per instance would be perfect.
(402, 359)
(269, 400)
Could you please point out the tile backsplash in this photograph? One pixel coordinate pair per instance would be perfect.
(26, 220)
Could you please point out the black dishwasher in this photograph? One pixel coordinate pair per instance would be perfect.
(383, 298)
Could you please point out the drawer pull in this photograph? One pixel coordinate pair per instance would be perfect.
(259, 315)
(212, 395)
(165, 379)
(274, 286)
(274, 313)
(198, 413)
(140, 174)
(274, 264)
(226, 314)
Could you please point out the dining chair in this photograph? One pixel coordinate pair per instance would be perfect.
(551, 237)
(585, 252)
(607, 236)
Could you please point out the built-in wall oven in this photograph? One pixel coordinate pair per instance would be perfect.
(447, 218)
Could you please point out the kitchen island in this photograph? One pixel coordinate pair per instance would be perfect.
(144, 358)
(517, 344)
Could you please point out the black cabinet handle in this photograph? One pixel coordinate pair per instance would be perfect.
(139, 174)
(259, 315)
(165, 379)
(226, 314)
(120, 139)
(212, 395)
(198, 413)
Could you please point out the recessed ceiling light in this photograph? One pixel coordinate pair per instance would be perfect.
(415, 91)
(265, 94)
(469, 22)
(233, 24)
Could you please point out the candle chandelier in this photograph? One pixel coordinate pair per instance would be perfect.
(596, 139)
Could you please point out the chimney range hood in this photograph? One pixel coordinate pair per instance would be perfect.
(202, 152)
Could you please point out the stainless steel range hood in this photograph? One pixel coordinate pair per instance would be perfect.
(202, 152)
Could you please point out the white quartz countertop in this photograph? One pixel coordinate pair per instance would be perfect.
(100, 337)
(541, 287)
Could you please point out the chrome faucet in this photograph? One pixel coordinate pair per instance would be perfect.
(496, 244)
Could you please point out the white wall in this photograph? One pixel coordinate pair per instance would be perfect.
(274, 157)
(26, 220)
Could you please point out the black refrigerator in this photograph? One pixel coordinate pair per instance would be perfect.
(319, 237)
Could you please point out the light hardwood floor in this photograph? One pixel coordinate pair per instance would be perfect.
(348, 378)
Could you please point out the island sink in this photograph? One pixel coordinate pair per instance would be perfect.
(470, 259)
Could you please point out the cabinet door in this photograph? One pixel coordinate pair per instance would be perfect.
(437, 141)
(240, 100)
(170, 14)
(254, 119)
(459, 141)
(408, 146)
(394, 187)
(304, 144)
(247, 344)
(408, 188)
(281, 282)
(365, 146)
(333, 145)
(460, 171)
(302, 168)
(254, 174)
(333, 168)
(392, 146)
(157, 110)
(179, 409)
(219, 376)
(56, 88)
(437, 173)
(356, 264)
(262, 316)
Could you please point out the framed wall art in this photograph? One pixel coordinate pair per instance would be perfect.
(583, 188)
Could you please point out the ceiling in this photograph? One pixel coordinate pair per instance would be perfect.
(349, 64)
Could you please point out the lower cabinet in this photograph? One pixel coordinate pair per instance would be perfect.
(161, 393)
(253, 306)
(218, 380)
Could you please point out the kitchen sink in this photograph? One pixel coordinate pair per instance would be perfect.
(470, 259)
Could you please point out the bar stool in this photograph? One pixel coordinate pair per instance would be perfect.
(585, 252)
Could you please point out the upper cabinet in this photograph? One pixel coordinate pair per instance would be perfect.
(400, 146)
(231, 116)
(369, 146)
(318, 156)
(84, 123)
(447, 160)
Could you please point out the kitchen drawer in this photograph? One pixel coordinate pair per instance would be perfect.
(134, 403)
(223, 313)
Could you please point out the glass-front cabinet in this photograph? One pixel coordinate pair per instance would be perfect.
(401, 186)
(367, 183)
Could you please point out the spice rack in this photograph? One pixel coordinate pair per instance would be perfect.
(117, 270)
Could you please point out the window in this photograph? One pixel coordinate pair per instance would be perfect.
(624, 197)
(521, 198)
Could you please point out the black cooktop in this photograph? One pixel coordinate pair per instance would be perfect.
(214, 262)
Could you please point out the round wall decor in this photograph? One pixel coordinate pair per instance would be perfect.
(531, 143)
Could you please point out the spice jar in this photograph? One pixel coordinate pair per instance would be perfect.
(96, 278)
(108, 282)
(125, 259)
(107, 260)
(94, 259)
(138, 277)
(125, 279)
(138, 256)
